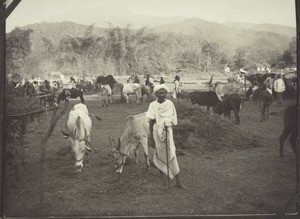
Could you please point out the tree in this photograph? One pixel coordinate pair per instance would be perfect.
(18, 47)
(293, 50)
(209, 52)
(239, 59)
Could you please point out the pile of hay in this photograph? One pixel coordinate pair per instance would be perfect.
(208, 132)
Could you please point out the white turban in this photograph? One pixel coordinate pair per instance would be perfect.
(161, 86)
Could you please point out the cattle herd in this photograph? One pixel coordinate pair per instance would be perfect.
(222, 98)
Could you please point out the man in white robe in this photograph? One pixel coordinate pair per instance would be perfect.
(162, 116)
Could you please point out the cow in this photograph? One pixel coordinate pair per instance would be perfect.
(204, 98)
(229, 102)
(265, 99)
(73, 93)
(136, 133)
(229, 88)
(106, 93)
(78, 131)
(109, 79)
(145, 90)
(289, 128)
(257, 79)
(225, 88)
(132, 89)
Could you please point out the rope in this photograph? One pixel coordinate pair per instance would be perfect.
(15, 116)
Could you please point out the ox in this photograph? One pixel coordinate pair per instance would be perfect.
(289, 128)
(136, 133)
(204, 98)
(145, 90)
(132, 89)
(106, 95)
(109, 79)
(257, 79)
(73, 93)
(229, 88)
(229, 102)
(225, 88)
(78, 132)
(265, 99)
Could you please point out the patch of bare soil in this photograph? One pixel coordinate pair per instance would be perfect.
(227, 169)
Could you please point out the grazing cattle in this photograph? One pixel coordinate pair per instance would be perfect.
(136, 133)
(289, 128)
(229, 102)
(73, 93)
(204, 98)
(78, 133)
(132, 89)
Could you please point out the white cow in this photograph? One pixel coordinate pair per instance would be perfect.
(106, 94)
(136, 133)
(229, 88)
(79, 126)
(225, 88)
(130, 88)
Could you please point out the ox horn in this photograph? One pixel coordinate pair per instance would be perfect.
(66, 135)
(111, 144)
(119, 144)
(210, 81)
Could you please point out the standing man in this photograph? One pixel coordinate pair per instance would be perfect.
(177, 85)
(269, 83)
(279, 88)
(162, 116)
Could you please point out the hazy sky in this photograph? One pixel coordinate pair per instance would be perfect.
(251, 11)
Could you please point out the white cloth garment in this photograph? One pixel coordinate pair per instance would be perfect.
(165, 116)
(279, 85)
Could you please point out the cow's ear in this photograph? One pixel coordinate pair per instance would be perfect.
(90, 149)
(137, 136)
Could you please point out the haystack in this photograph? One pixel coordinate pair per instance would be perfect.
(199, 130)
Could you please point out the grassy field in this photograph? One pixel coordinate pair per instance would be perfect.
(234, 178)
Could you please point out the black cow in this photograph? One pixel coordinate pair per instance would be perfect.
(289, 128)
(73, 93)
(258, 79)
(204, 98)
(265, 99)
(229, 102)
(109, 79)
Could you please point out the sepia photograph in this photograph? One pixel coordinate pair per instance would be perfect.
(158, 108)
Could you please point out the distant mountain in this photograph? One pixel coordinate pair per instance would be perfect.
(273, 28)
(230, 37)
(106, 16)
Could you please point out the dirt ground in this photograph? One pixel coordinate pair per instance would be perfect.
(241, 180)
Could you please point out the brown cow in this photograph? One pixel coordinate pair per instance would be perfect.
(289, 128)
(230, 102)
